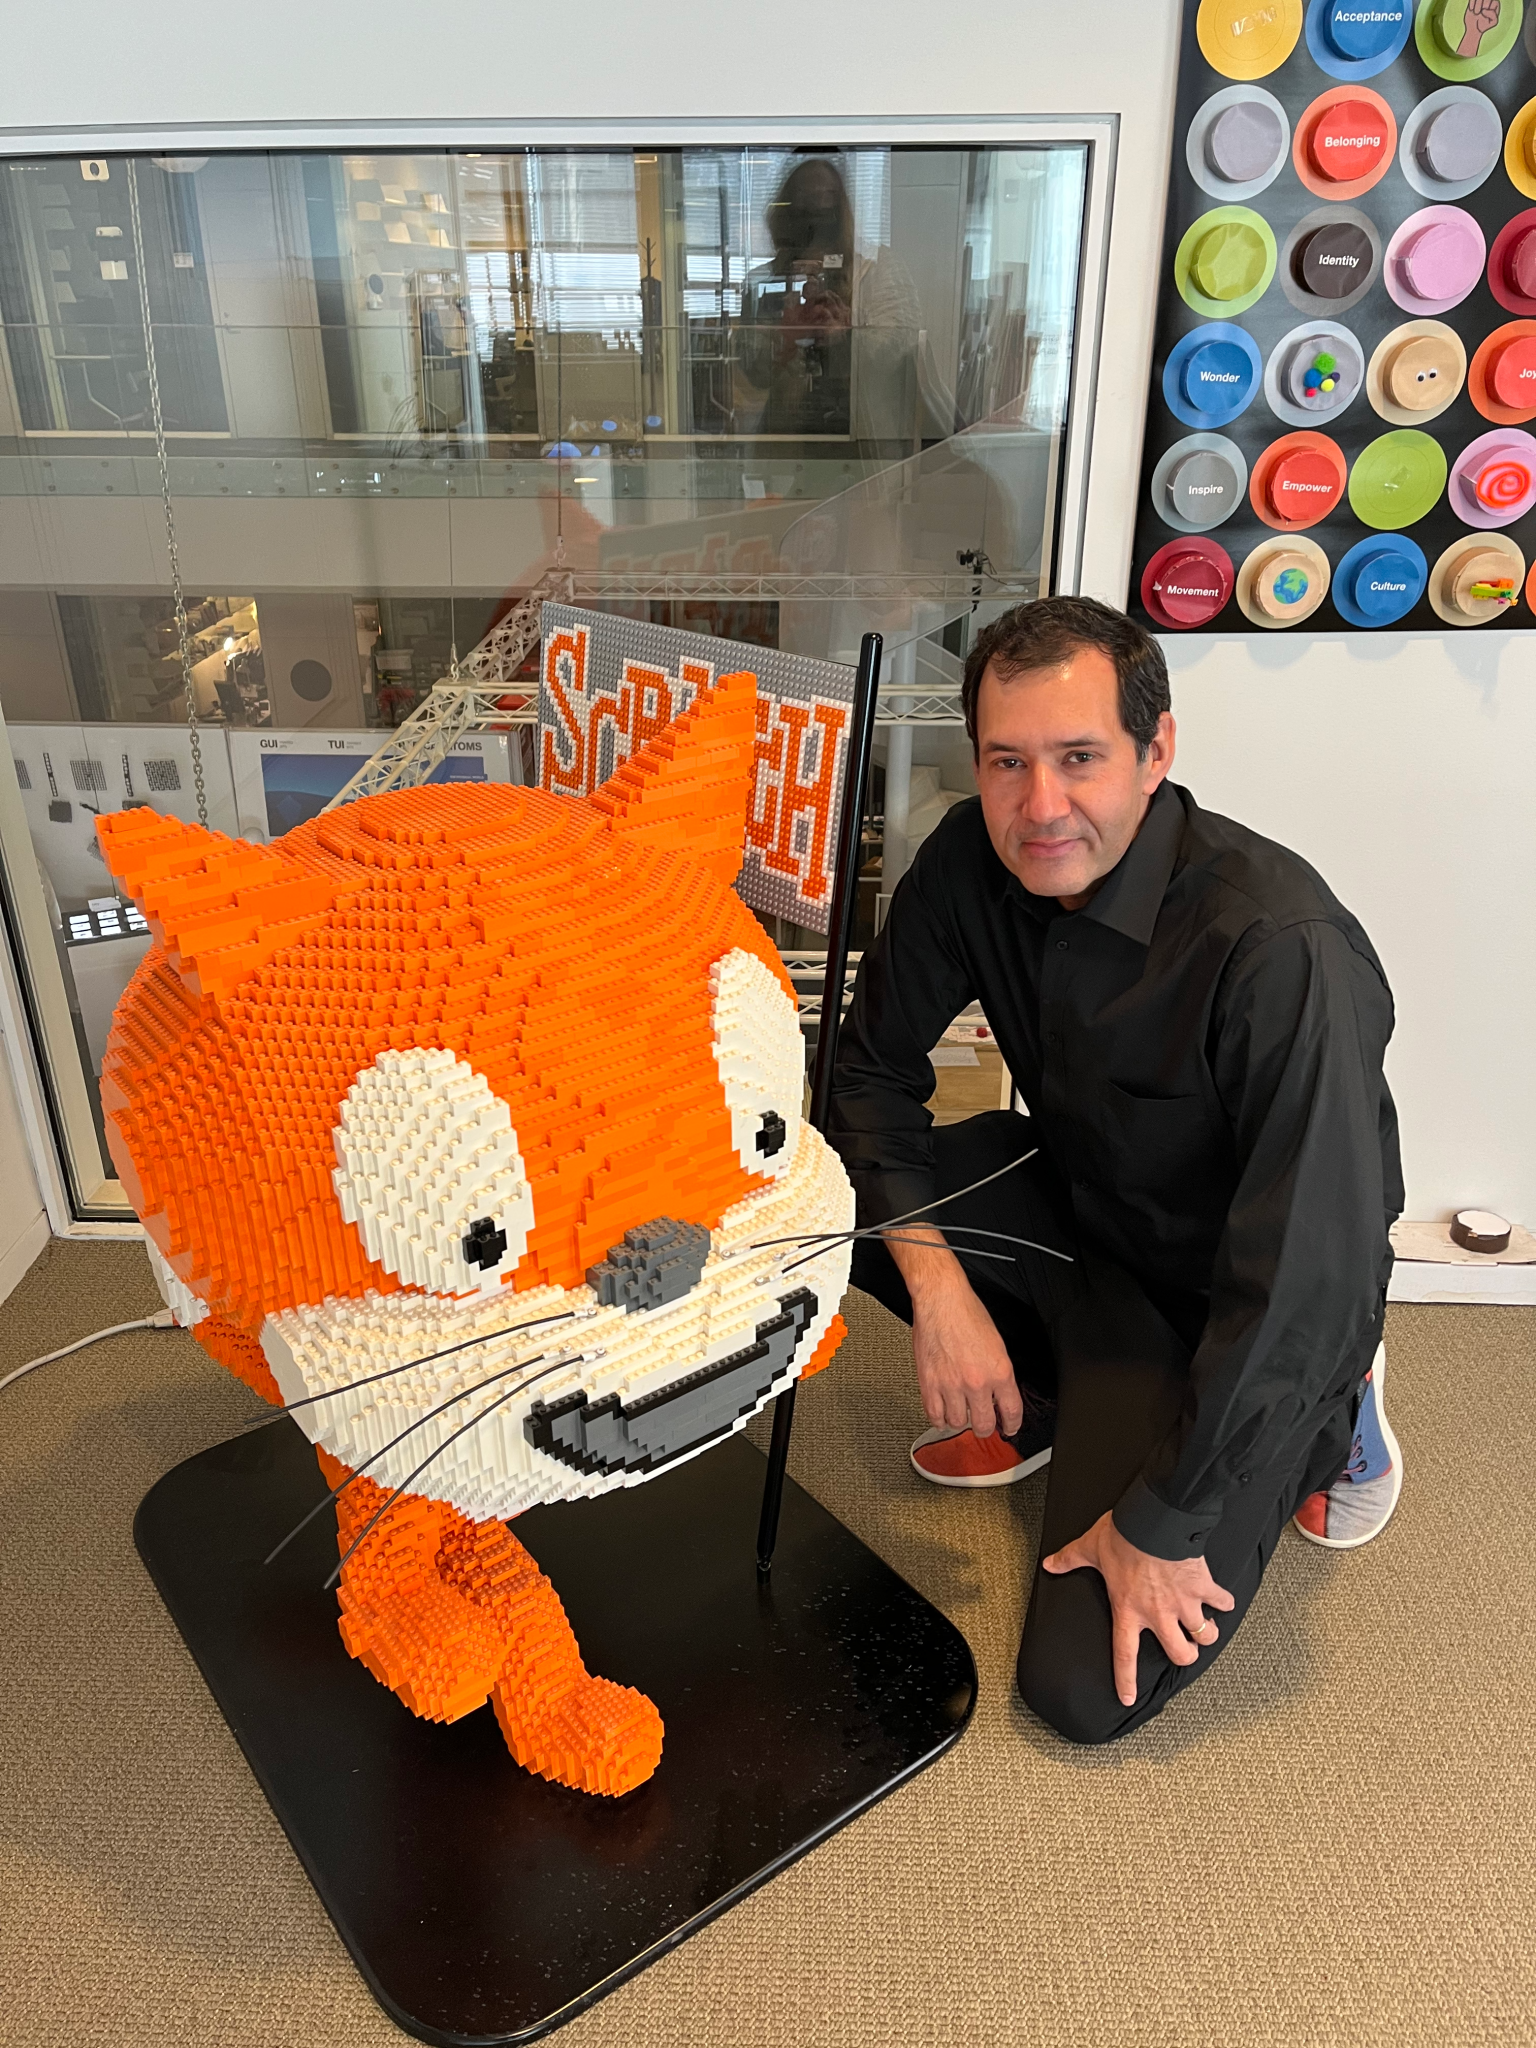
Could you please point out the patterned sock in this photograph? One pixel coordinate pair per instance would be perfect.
(1369, 1458)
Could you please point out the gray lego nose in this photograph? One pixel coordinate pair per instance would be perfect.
(652, 1264)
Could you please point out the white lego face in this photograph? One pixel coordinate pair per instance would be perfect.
(516, 1397)
(761, 1060)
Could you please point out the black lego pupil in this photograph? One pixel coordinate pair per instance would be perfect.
(772, 1134)
(484, 1246)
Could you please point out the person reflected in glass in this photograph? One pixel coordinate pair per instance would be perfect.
(797, 321)
(829, 336)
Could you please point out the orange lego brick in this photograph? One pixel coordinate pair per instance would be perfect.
(554, 962)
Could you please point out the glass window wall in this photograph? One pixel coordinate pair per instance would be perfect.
(779, 394)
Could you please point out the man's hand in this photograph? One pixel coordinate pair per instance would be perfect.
(964, 1373)
(1166, 1595)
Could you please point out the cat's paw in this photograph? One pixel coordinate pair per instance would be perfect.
(598, 1737)
(433, 1649)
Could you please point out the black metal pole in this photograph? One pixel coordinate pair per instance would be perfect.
(845, 897)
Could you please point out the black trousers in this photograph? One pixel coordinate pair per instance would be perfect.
(1091, 1339)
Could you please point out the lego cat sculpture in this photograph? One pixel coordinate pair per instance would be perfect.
(465, 1121)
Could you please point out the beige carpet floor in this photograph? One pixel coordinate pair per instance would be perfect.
(1332, 1839)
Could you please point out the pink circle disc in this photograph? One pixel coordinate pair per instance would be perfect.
(1442, 261)
(1502, 482)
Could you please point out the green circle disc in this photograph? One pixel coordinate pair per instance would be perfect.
(1397, 479)
(1485, 29)
(1225, 261)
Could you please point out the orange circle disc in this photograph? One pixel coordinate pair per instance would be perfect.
(1297, 481)
(1501, 377)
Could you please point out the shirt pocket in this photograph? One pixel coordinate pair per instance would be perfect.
(1152, 1140)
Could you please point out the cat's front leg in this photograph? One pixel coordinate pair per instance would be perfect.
(448, 1612)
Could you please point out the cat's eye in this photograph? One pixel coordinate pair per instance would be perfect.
(484, 1246)
(760, 1055)
(430, 1173)
(771, 1134)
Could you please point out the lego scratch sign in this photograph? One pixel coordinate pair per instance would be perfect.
(607, 685)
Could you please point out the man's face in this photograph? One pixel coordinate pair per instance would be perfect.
(1061, 787)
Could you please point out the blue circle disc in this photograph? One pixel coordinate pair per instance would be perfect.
(1217, 378)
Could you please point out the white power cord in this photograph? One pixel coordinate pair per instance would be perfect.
(162, 1319)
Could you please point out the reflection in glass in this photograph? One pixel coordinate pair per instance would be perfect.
(779, 394)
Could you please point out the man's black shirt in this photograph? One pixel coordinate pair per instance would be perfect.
(1200, 1050)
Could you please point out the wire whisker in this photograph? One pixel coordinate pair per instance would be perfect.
(371, 1379)
(335, 1492)
(490, 1408)
(889, 1237)
(974, 1251)
(884, 1230)
(940, 1200)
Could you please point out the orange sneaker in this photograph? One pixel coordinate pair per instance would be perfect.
(958, 1457)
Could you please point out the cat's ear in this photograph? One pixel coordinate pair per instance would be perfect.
(221, 907)
(689, 785)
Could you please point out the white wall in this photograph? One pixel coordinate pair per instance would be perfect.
(1398, 765)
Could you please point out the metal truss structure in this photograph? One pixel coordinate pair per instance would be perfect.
(476, 698)
(443, 717)
(807, 969)
(507, 646)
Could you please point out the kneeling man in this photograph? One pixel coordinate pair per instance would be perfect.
(1168, 1278)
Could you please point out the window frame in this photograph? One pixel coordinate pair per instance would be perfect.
(34, 1009)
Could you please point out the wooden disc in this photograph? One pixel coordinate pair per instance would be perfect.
(1421, 372)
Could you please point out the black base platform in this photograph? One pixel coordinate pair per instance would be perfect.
(481, 1904)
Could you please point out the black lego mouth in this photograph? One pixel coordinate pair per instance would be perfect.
(605, 1436)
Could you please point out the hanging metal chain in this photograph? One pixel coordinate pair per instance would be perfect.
(184, 638)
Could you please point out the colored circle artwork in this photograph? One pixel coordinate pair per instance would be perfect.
(1434, 260)
(1357, 38)
(1225, 261)
(1348, 178)
(1297, 481)
(1238, 142)
(1379, 580)
(1512, 264)
(1282, 583)
(1246, 41)
(1465, 39)
(1476, 579)
(1344, 142)
(1493, 479)
(1331, 258)
(1199, 482)
(1451, 143)
(1187, 583)
(1211, 374)
(1501, 381)
(1520, 151)
(1415, 372)
(1397, 479)
(1313, 373)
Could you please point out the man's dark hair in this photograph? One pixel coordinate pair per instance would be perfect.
(1053, 629)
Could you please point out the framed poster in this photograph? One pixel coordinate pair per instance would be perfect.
(1339, 426)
